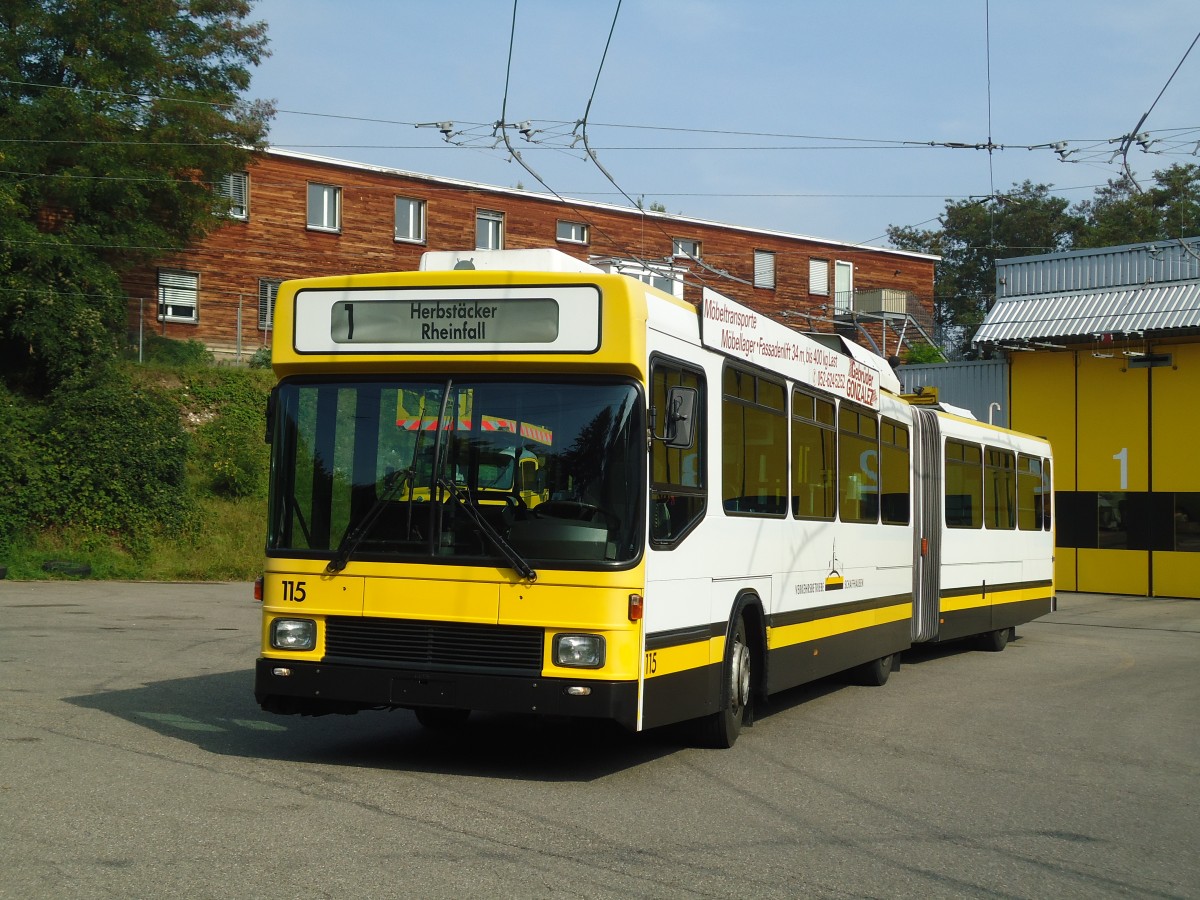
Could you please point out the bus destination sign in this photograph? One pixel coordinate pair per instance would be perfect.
(554, 318)
(737, 330)
(438, 322)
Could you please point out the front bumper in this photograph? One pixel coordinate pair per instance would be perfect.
(319, 688)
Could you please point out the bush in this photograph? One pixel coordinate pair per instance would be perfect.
(112, 462)
(19, 463)
(229, 406)
(170, 352)
(261, 358)
(916, 354)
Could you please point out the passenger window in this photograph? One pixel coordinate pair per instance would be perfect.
(893, 473)
(1000, 501)
(753, 445)
(814, 458)
(858, 465)
(964, 485)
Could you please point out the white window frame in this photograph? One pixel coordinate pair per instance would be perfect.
(410, 220)
(764, 269)
(235, 187)
(268, 290)
(489, 229)
(843, 287)
(572, 232)
(818, 277)
(688, 248)
(178, 296)
(326, 213)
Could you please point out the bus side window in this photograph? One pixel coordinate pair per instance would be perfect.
(964, 484)
(677, 490)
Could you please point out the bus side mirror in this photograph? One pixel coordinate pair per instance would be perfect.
(679, 430)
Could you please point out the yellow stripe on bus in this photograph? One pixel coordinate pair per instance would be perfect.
(681, 657)
(993, 598)
(787, 635)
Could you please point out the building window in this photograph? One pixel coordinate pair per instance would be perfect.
(764, 269)
(410, 220)
(843, 287)
(234, 188)
(268, 288)
(667, 279)
(489, 230)
(178, 296)
(685, 247)
(324, 207)
(573, 232)
(818, 277)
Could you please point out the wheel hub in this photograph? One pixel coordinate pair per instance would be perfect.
(739, 677)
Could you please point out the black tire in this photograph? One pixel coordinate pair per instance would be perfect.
(721, 729)
(875, 673)
(995, 641)
(439, 719)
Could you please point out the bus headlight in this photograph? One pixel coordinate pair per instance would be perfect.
(580, 651)
(294, 634)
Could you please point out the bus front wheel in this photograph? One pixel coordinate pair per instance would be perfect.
(721, 729)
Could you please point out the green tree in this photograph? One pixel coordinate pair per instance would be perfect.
(121, 117)
(972, 235)
(1121, 213)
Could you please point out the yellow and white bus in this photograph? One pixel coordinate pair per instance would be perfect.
(512, 482)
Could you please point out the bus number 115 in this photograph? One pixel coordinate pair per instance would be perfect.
(293, 591)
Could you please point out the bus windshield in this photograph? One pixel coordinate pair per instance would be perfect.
(388, 470)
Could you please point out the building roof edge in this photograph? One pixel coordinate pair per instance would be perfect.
(593, 204)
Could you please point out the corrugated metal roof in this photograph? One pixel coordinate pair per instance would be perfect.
(1081, 315)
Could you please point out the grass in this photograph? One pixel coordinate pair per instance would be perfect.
(227, 546)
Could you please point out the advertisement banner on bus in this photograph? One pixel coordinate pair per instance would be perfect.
(737, 330)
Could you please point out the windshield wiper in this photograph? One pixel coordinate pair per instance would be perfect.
(392, 483)
(484, 527)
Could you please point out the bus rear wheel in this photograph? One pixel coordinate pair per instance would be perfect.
(875, 673)
(721, 729)
(995, 641)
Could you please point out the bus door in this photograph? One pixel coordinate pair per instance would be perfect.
(927, 516)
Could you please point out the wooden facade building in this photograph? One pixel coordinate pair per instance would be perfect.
(295, 215)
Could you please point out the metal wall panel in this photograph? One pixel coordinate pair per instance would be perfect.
(1106, 267)
(971, 385)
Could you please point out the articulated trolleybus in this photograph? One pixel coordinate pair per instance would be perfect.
(512, 482)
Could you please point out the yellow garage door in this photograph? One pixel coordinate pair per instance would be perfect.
(1174, 372)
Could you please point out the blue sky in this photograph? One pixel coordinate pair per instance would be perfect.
(804, 117)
